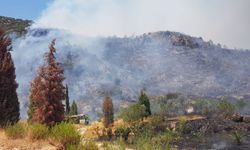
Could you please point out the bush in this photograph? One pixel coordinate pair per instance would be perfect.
(65, 134)
(226, 108)
(133, 113)
(89, 145)
(37, 131)
(122, 133)
(166, 138)
(15, 131)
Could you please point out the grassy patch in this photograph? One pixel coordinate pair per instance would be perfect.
(37, 131)
(16, 131)
(89, 145)
(65, 134)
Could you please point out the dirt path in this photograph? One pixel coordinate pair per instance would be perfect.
(23, 144)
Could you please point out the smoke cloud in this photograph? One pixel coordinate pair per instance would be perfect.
(223, 21)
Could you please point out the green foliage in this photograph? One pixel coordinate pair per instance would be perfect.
(89, 145)
(120, 144)
(166, 138)
(226, 108)
(65, 134)
(144, 100)
(122, 132)
(73, 109)
(16, 131)
(73, 147)
(145, 143)
(133, 113)
(37, 131)
(237, 137)
(67, 107)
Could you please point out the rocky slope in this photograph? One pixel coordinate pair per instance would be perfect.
(159, 62)
(12, 25)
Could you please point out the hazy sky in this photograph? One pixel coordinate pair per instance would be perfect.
(223, 21)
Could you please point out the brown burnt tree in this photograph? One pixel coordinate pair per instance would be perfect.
(9, 105)
(108, 112)
(47, 91)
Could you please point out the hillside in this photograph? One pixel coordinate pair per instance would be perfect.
(160, 62)
(17, 26)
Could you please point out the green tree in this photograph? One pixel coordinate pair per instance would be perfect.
(108, 112)
(144, 100)
(133, 113)
(67, 105)
(9, 105)
(73, 109)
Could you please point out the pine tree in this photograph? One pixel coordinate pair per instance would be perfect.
(9, 105)
(67, 107)
(73, 109)
(47, 91)
(144, 100)
(108, 112)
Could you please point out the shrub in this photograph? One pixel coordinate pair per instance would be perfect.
(226, 108)
(15, 131)
(237, 137)
(37, 131)
(133, 113)
(166, 138)
(89, 145)
(122, 133)
(65, 134)
(144, 100)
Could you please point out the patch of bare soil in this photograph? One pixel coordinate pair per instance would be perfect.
(23, 144)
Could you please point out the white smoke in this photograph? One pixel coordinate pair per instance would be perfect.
(224, 21)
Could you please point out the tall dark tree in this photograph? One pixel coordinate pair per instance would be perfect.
(108, 112)
(73, 109)
(67, 105)
(9, 105)
(47, 91)
(144, 100)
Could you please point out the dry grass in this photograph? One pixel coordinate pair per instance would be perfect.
(23, 144)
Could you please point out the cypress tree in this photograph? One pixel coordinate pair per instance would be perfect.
(67, 107)
(47, 91)
(144, 100)
(108, 112)
(9, 105)
(73, 109)
(35, 87)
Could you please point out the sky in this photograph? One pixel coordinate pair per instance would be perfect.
(223, 21)
(24, 9)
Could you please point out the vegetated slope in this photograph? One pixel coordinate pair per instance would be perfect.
(160, 62)
(11, 25)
